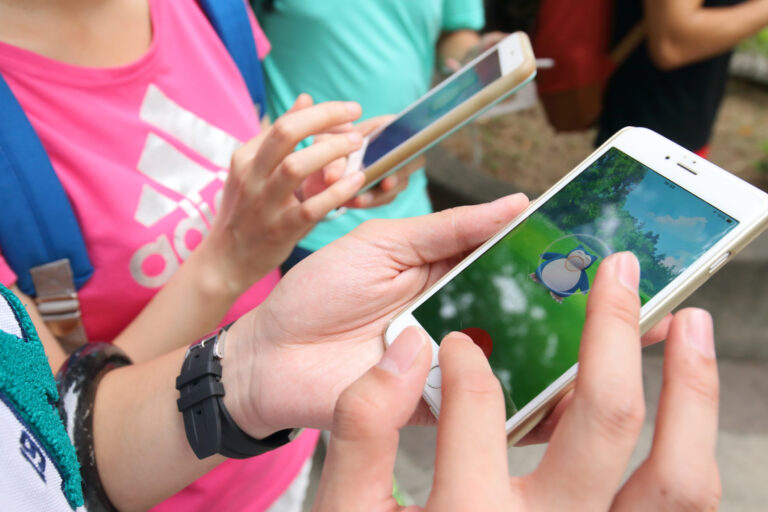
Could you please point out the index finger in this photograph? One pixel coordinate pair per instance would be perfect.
(600, 428)
(293, 127)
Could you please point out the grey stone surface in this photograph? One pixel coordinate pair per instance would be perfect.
(750, 66)
(452, 183)
(737, 297)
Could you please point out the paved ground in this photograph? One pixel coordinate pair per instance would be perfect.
(742, 446)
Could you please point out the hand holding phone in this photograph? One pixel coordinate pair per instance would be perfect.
(486, 80)
(522, 296)
(386, 190)
(585, 462)
(321, 326)
(258, 212)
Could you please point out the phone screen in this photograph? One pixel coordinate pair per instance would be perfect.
(451, 94)
(524, 300)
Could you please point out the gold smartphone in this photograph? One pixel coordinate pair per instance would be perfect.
(480, 84)
(522, 295)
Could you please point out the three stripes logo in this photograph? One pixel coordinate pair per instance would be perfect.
(172, 170)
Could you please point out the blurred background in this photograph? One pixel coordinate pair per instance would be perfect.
(514, 149)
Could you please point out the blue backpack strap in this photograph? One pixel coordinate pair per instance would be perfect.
(37, 223)
(231, 22)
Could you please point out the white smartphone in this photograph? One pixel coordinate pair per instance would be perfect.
(522, 295)
(467, 93)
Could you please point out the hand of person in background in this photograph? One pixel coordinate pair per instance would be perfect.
(261, 218)
(322, 326)
(461, 52)
(584, 465)
(383, 193)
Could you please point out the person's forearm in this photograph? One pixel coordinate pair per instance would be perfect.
(456, 45)
(189, 306)
(142, 451)
(683, 31)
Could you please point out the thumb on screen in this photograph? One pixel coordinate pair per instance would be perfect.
(357, 474)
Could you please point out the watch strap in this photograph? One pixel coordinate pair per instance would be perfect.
(209, 427)
(236, 444)
(200, 388)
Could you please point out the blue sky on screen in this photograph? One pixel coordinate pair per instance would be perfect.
(687, 226)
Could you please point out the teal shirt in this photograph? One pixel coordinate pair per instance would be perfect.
(380, 53)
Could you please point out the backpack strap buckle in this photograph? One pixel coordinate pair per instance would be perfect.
(58, 303)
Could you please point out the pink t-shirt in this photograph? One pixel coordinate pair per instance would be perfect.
(142, 151)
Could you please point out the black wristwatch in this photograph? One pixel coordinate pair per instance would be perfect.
(210, 429)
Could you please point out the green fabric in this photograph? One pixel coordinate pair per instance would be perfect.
(26, 380)
(380, 53)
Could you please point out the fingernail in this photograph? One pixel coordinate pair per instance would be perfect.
(354, 137)
(400, 356)
(365, 199)
(357, 178)
(459, 336)
(698, 330)
(627, 270)
(353, 107)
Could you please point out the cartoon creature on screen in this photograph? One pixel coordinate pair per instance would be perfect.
(564, 274)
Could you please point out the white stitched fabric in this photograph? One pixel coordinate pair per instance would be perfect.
(8, 322)
(28, 481)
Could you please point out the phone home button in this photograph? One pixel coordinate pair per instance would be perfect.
(435, 377)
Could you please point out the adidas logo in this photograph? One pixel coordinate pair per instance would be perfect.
(179, 181)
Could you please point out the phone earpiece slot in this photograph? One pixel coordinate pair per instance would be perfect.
(690, 170)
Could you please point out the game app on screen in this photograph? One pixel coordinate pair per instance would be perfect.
(524, 300)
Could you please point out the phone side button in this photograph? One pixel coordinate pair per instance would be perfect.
(435, 377)
(719, 262)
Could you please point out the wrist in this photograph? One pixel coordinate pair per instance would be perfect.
(215, 276)
(238, 378)
(210, 427)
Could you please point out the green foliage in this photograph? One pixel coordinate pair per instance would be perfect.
(756, 44)
(535, 338)
(607, 182)
(762, 164)
(599, 194)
